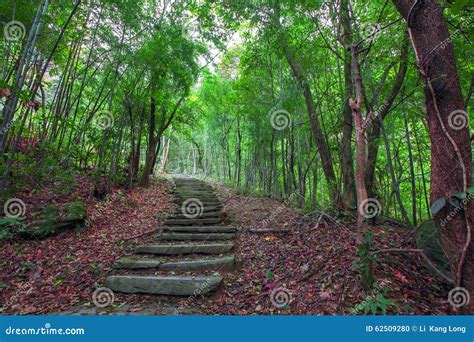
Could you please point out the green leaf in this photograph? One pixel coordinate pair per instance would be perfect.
(458, 5)
(460, 195)
(437, 206)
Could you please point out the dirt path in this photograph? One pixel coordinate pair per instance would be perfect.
(282, 261)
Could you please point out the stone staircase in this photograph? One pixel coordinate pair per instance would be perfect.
(194, 240)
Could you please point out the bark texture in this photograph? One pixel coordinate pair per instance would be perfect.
(451, 161)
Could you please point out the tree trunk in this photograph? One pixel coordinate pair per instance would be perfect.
(451, 162)
(152, 142)
(349, 196)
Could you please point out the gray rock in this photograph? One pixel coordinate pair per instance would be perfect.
(428, 239)
(213, 248)
(131, 263)
(221, 264)
(197, 236)
(201, 229)
(206, 209)
(164, 285)
(216, 214)
(190, 222)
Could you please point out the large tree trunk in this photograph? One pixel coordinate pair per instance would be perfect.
(451, 162)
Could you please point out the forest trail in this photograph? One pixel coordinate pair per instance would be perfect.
(184, 246)
(192, 251)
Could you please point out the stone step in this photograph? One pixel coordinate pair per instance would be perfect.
(205, 203)
(185, 248)
(195, 198)
(164, 285)
(197, 236)
(134, 263)
(201, 198)
(226, 263)
(216, 214)
(205, 209)
(202, 206)
(192, 185)
(196, 201)
(200, 229)
(193, 188)
(191, 222)
(194, 191)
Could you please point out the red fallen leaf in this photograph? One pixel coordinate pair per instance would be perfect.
(324, 295)
(39, 256)
(401, 277)
(5, 92)
(29, 309)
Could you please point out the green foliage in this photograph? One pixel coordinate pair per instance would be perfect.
(8, 227)
(367, 261)
(374, 305)
(207, 76)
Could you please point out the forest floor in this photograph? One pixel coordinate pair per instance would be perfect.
(310, 261)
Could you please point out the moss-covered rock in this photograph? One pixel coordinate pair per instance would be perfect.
(428, 239)
(74, 211)
(53, 220)
(9, 226)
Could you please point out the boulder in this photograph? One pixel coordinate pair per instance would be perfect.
(53, 220)
(428, 239)
(9, 226)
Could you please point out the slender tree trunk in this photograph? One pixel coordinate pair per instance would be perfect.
(349, 196)
(412, 171)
